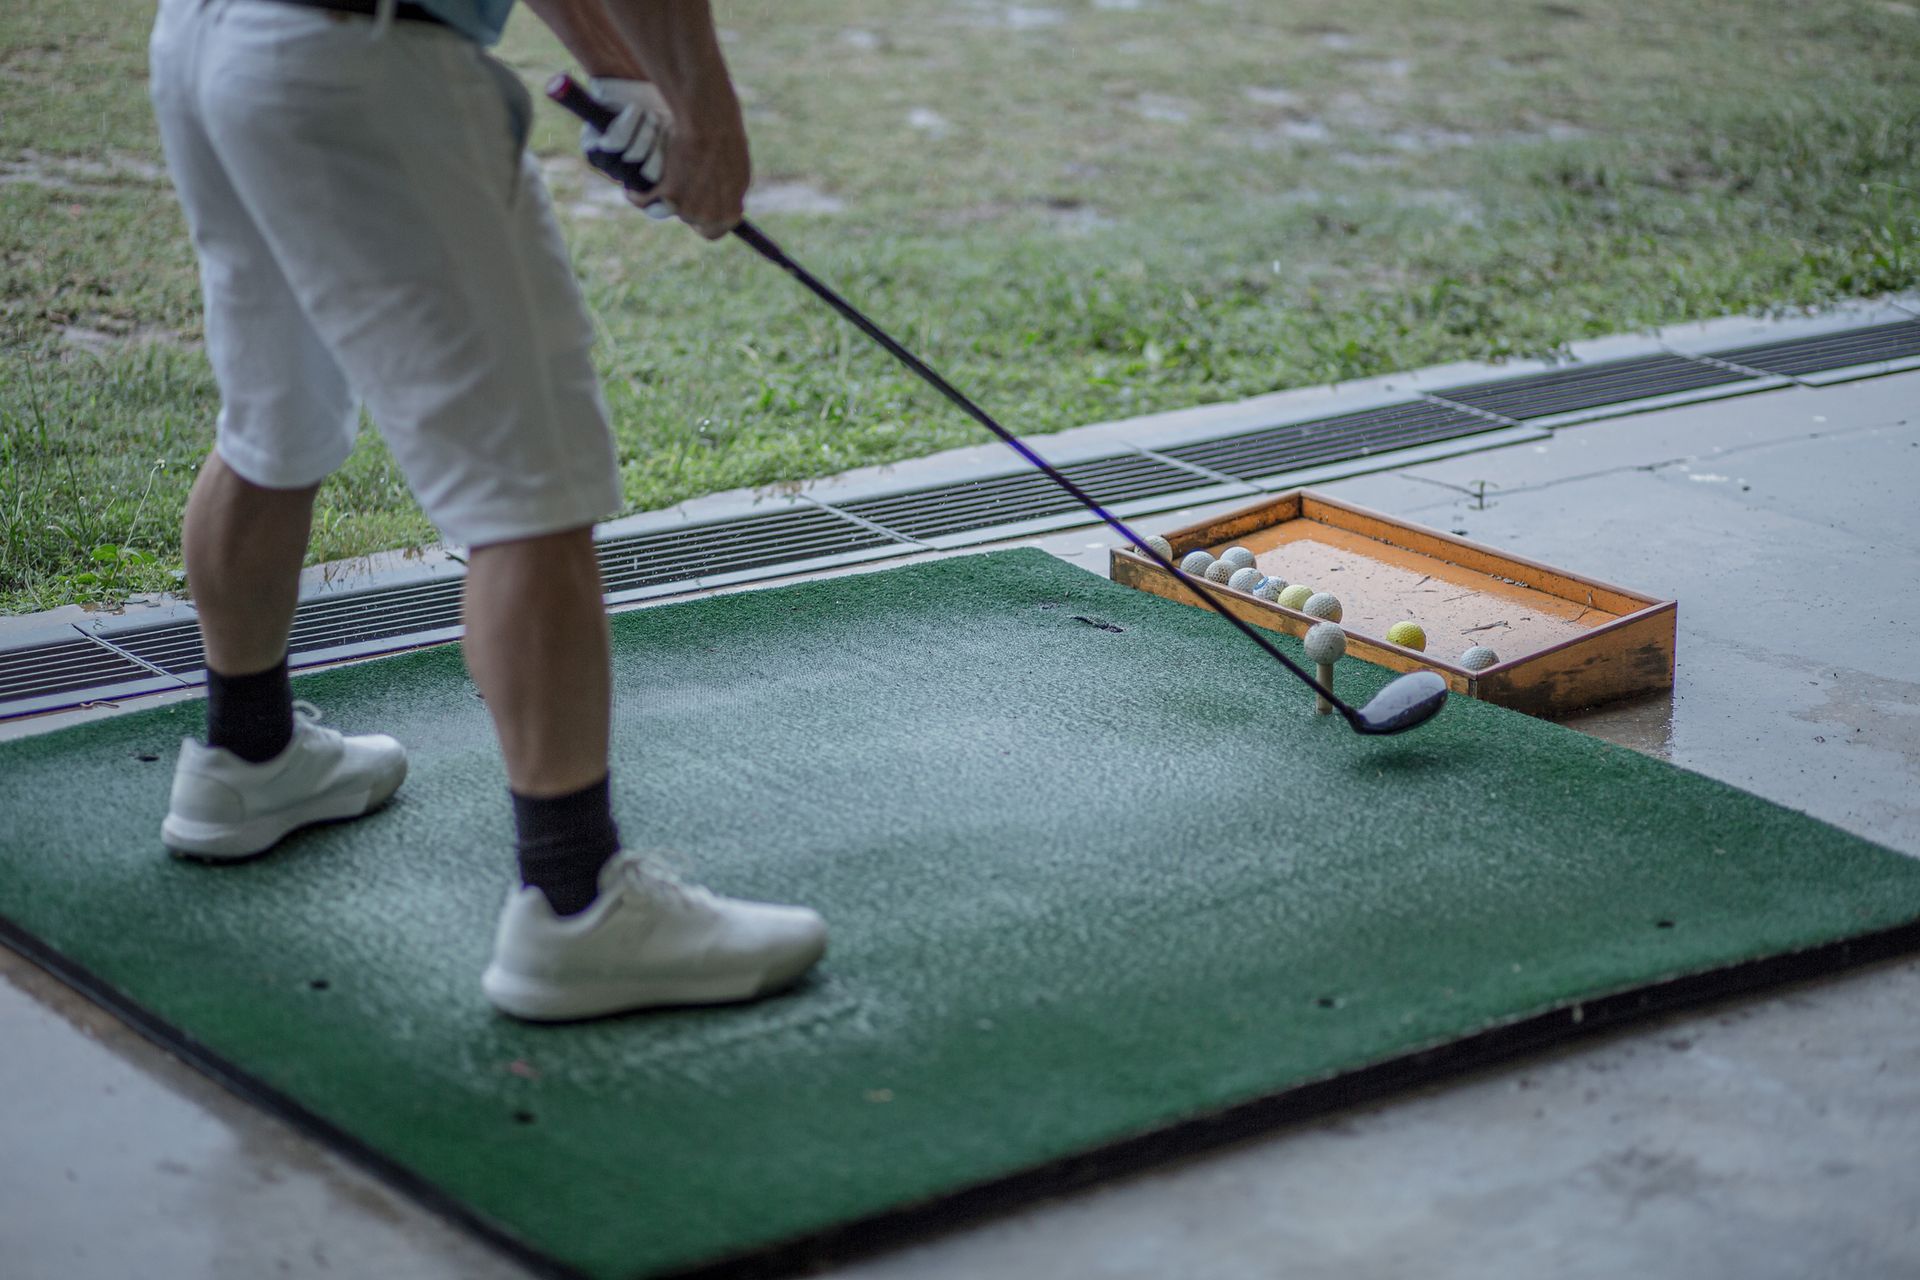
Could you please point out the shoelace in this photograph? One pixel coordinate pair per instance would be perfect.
(305, 711)
(656, 874)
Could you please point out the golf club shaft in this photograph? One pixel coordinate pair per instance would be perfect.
(563, 90)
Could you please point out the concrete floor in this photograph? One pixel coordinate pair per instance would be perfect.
(1762, 1138)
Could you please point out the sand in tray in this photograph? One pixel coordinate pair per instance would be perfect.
(1379, 585)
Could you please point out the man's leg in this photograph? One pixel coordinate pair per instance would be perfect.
(259, 775)
(244, 547)
(538, 649)
(593, 930)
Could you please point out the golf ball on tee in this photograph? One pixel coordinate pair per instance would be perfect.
(1269, 588)
(1478, 658)
(1196, 563)
(1245, 579)
(1325, 642)
(1407, 635)
(1322, 604)
(1240, 557)
(1294, 596)
(1221, 570)
(1161, 546)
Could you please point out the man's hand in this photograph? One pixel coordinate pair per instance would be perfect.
(668, 170)
(696, 147)
(633, 149)
(708, 170)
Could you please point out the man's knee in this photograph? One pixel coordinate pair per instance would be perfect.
(564, 544)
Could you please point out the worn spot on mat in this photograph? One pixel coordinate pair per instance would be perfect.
(683, 1043)
(319, 984)
(1099, 624)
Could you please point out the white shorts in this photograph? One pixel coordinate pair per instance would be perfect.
(371, 230)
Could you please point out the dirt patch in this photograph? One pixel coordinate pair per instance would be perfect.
(1428, 139)
(1270, 97)
(76, 173)
(793, 197)
(1071, 217)
(929, 122)
(1163, 108)
(105, 335)
(1009, 17)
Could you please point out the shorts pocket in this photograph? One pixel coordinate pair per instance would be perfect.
(519, 105)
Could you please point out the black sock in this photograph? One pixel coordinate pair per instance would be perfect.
(251, 716)
(564, 841)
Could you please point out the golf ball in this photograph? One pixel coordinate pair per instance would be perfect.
(1478, 658)
(1326, 642)
(1221, 570)
(1269, 588)
(1240, 557)
(1322, 604)
(1296, 595)
(1245, 579)
(1162, 546)
(1407, 635)
(1196, 563)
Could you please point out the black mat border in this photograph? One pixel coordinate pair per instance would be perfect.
(916, 1223)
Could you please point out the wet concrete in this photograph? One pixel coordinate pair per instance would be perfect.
(1772, 1137)
(117, 1160)
(1786, 525)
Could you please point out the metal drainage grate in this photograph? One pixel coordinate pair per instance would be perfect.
(628, 563)
(641, 560)
(1542, 395)
(1899, 340)
(333, 622)
(1349, 435)
(950, 509)
(65, 666)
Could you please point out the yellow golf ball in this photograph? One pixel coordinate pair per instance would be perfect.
(1295, 596)
(1407, 635)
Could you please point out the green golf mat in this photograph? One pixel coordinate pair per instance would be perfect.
(1102, 888)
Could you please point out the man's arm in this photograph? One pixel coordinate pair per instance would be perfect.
(673, 44)
(589, 34)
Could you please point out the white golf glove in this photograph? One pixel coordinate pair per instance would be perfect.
(633, 149)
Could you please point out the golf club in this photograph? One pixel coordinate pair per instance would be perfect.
(1410, 700)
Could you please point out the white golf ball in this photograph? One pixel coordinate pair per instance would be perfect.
(1325, 642)
(1269, 588)
(1478, 658)
(1161, 546)
(1240, 556)
(1322, 604)
(1221, 570)
(1245, 579)
(1196, 563)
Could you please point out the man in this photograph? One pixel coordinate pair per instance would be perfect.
(371, 230)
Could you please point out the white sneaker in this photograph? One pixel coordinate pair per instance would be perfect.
(223, 807)
(649, 939)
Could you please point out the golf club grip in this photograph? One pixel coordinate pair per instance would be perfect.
(566, 91)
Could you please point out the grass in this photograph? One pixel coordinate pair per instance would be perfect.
(1078, 213)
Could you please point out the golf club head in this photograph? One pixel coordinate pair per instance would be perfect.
(1413, 699)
